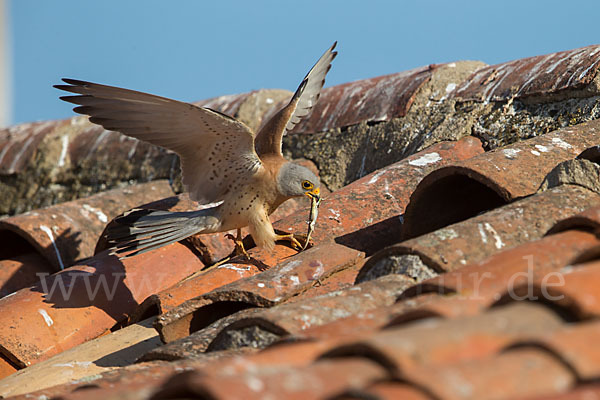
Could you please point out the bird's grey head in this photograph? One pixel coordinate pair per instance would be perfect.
(296, 180)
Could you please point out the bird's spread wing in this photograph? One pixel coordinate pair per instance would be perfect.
(216, 150)
(268, 139)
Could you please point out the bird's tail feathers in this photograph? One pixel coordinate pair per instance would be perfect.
(141, 230)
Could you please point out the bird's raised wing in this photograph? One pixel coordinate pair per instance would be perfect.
(268, 139)
(216, 151)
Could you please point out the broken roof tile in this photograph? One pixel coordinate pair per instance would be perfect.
(67, 232)
(532, 76)
(479, 237)
(265, 289)
(464, 189)
(84, 301)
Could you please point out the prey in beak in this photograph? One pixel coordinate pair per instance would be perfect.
(315, 202)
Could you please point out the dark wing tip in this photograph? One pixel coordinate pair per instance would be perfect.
(75, 82)
(74, 99)
(333, 46)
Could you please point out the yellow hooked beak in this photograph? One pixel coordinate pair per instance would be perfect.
(315, 193)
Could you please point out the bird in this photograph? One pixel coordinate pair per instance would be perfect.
(222, 161)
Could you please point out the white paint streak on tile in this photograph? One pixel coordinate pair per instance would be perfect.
(15, 160)
(131, 151)
(63, 151)
(46, 317)
(234, 268)
(376, 177)
(561, 143)
(48, 232)
(511, 153)
(497, 239)
(429, 158)
(101, 216)
(482, 233)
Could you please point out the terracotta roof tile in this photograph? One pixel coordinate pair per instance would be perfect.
(70, 307)
(372, 206)
(571, 343)
(477, 238)
(587, 220)
(135, 381)
(18, 143)
(322, 379)
(532, 76)
(475, 287)
(22, 270)
(294, 317)
(67, 232)
(512, 313)
(464, 189)
(266, 289)
(523, 372)
(573, 288)
(387, 390)
(438, 342)
(374, 99)
(584, 392)
(110, 351)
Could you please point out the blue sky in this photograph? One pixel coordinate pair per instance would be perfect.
(192, 50)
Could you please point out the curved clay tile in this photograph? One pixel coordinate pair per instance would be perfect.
(462, 190)
(481, 236)
(532, 76)
(85, 301)
(587, 220)
(67, 232)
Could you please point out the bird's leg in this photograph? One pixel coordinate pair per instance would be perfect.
(293, 239)
(239, 244)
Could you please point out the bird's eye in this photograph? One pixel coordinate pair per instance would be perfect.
(307, 185)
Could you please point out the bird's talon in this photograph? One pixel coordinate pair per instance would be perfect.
(239, 245)
(293, 240)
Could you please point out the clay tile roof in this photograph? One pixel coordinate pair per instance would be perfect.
(456, 253)
(464, 189)
(453, 247)
(531, 76)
